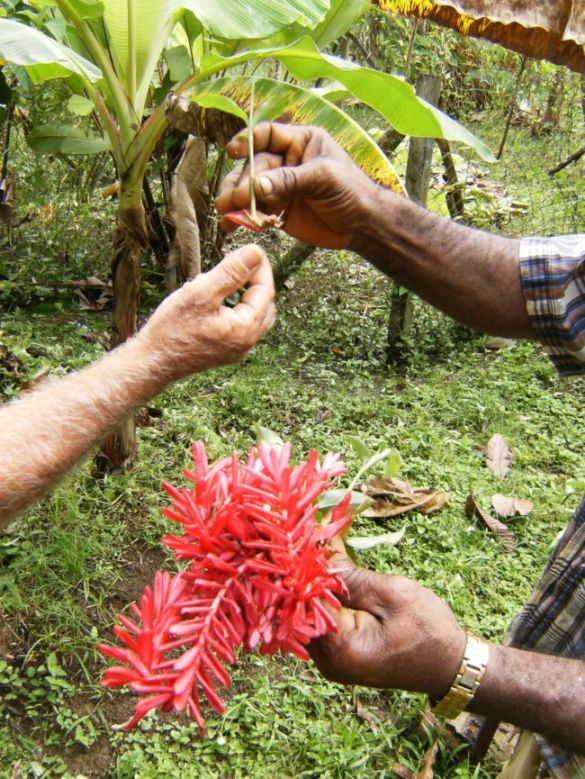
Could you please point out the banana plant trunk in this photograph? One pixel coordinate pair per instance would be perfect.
(130, 239)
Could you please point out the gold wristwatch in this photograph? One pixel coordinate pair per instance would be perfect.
(466, 683)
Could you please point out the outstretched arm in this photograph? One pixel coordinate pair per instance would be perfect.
(394, 633)
(46, 433)
(328, 201)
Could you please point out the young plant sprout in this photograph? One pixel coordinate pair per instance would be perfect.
(253, 219)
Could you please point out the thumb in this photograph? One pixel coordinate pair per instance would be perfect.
(283, 184)
(232, 272)
(367, 590)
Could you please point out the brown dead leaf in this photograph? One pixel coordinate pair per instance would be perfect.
(498, 456)
(393, 497)
(430, 757)
(85, 304)
(366, 716)
(554, 30)
(35, 381)
(507, 506)
(497, 344)
(104, 339)
(466, 726)
(401, 772)
(16, 771)
(308, 677)
(505, 535)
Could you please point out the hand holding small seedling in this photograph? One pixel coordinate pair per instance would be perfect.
(303, 174)
(253, 219)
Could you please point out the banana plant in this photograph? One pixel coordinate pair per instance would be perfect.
(111, 52)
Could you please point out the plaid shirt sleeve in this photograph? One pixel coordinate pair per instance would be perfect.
(552, 272)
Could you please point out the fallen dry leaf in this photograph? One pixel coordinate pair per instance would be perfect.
(308, 677)
(495, 344)
(393, 497)
(466, 726)
(16, 771)
(40, 377)
(507, 506)
(366, 716)
(85, 304)
(498, 456)
(104, 339)
(430, 757)
(506, 536)
(401, 772)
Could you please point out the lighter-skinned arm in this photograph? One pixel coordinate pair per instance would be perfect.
(394, 633)
(328, 201)
(44, 434)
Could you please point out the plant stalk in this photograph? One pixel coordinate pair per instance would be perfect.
(119, 96)
(131, 6)
(251, 152)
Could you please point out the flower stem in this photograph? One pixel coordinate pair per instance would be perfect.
(251, 152)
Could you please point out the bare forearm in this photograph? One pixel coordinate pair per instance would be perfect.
(541, 693)
(45, 433)
(470, 275)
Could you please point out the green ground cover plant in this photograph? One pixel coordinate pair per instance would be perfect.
(84, 552)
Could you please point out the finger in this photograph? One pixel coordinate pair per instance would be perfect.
(283, 184)
(337, 654)
(367, 591)
(235, 270)
(257, 301)
(224, 200)
(235, 190)
(282, 139)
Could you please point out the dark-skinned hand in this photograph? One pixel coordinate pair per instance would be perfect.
(392, 633)
(304, 174)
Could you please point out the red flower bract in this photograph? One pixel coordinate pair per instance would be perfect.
(257, 575)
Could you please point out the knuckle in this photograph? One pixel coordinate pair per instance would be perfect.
(289, 179)
(233, 269)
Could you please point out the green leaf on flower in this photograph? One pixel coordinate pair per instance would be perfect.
(369, 542)
(269, 436)
(361, 449)
(332, 498)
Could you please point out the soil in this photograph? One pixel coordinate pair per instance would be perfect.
(97, 761)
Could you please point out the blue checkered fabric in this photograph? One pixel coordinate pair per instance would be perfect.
(553, 620)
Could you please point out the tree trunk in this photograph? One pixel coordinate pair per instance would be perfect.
(119, 448)
(454, 194)
(375, 27)
(554, 104)
(190, 197)
(418, 175)
(512, 106)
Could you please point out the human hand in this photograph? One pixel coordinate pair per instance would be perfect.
(392, 633)
(304, 173)
(193, 330)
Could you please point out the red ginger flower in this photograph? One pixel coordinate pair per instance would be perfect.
(258, 574)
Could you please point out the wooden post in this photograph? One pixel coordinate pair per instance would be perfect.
(418, 176)
(512, 106)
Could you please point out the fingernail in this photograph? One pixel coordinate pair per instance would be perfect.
(264, 185)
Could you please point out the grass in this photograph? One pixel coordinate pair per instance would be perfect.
(77, 558)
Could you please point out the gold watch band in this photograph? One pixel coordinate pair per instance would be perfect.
(466, 683)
